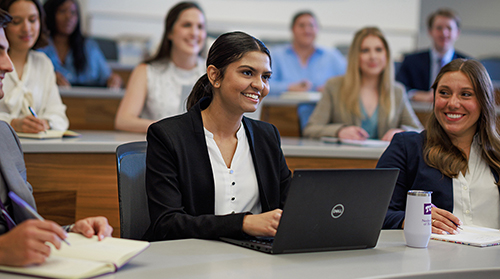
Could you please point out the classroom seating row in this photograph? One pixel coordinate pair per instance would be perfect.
(75, 178)
(95, 109)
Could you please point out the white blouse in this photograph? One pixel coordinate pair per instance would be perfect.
(168, 88)
(38, 89)
(476, 200)
(236, 188)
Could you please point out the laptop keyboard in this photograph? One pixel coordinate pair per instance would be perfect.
(263, 241)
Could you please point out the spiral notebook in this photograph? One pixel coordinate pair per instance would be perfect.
(49, 134)
(86, 257)
(473, 236)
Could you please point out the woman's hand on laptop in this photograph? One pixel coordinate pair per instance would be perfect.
(264, 224)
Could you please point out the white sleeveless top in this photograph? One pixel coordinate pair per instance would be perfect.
(168, 88)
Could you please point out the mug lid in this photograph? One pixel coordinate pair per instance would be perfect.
(420, 193)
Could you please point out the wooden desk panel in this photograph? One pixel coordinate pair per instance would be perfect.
(69, 187)
(76, 178)
(329, 163)
(91, 113)
(90, 177)
(283, 117)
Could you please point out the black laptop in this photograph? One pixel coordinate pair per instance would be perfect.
(330, 210)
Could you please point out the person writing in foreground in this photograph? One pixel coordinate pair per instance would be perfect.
(212, 172)
(366, 102)
(457, 157)
(25, 243)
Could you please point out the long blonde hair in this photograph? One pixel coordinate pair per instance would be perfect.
(439, 151)
(350, 89)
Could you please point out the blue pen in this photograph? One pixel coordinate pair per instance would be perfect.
(15, 198)
(34, 113)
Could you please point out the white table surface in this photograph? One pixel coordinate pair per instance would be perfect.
(391, 258)
(89, 142)
(91, 92)
(107, 141)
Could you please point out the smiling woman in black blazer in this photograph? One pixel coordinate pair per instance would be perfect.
(190, 156)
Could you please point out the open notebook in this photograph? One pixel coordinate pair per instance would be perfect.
(471, 235)
(86, 257)
(49, 134)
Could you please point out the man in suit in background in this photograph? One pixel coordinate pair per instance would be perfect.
(25, 244)
(419, 70)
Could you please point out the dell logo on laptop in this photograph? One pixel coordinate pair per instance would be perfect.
(337, 211)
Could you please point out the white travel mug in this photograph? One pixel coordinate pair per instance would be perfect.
(418, 218)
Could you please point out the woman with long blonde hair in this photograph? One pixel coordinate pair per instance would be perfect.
(366, 102)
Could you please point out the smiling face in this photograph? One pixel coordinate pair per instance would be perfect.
(245, 83)
(5, 63)
(24, 29)
(456, 106)
(304, 30)
(372, 56)
(66, 18)
(188, 33)
(444, 32)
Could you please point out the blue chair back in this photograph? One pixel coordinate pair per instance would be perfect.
(492, 65)
(304, 111)
(133, 201)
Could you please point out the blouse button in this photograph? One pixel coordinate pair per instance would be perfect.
(233, 198)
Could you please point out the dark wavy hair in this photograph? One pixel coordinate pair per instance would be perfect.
(172, 16)
(42, 39)
(76, 39)
(228, 48)
(4, 18)
(439, 151)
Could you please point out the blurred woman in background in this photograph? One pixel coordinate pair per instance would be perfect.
(77, 60)
(32, 84)
(158, 88)
(366, 102)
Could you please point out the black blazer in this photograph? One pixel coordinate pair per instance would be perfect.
(406, 153)
(179, 178)
(415, 71)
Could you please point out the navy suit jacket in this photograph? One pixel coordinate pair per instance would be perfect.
(406, 153)
(13, 172)
(180, 182)
(415, 70)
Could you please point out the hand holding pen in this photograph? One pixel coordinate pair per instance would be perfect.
(353, 133)
(42, 122)
(15, 198)
(444, 222)
(30, 123)
(25, 244)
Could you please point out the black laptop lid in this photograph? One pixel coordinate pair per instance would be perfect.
(334, 209)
